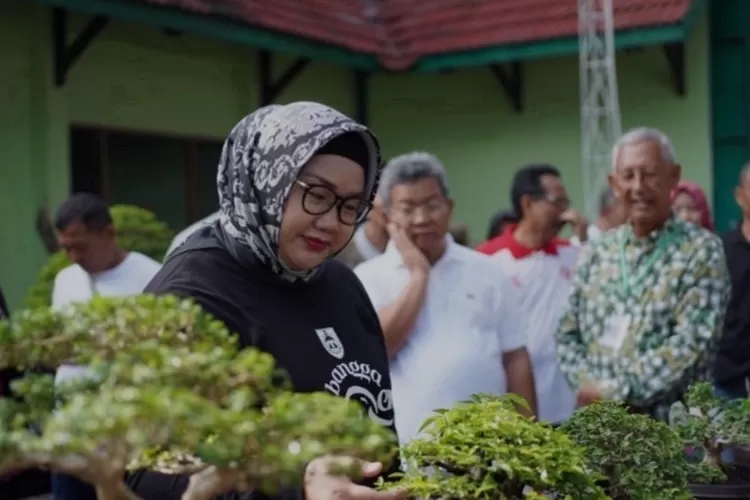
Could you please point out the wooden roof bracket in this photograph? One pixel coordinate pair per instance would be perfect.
(510, 77)
(270, 90)
(64, 56)
(676, 59)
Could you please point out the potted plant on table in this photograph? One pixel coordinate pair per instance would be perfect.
(484, 449)
(166, 384)
(640, 458)
(712, 426)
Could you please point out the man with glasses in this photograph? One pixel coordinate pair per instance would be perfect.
(449, 316)
(540, 266)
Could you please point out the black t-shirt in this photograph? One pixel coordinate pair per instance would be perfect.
(324, 333)
(733, 360)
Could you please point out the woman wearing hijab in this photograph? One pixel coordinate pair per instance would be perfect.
(294, 181)
(690, 204)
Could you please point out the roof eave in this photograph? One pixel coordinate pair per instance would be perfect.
(219, 29)
(559, 47)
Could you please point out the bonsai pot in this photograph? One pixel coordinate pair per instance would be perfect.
(715, 491)
(736, 486)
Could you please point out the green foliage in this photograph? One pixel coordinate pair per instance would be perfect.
(641, 458)
(711, 424)
(104, 328)
(168, 387)
(137, 229)
(40, 294)
(485, 449)
(141, 231)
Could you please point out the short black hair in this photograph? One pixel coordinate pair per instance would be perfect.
(498, 220)
(86, 208)
(528, 181)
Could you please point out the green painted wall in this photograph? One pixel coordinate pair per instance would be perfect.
(33, 143)
(730, 97)
(135, 77)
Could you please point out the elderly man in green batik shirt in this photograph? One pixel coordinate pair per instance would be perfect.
(648, 299)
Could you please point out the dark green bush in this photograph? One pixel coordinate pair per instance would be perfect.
(640, 457)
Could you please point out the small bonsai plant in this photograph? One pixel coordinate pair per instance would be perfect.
(166, 380)
(137, 229)
(484, 449)
(710, 425)
(640, 458)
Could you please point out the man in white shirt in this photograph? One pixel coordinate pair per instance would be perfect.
(449, 315)
(540, 266)
(100, 267)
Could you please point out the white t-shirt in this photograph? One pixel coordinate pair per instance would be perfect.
(468, 320)
(74, 285)
(541, 278)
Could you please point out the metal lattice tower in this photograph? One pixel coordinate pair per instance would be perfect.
(600, 108)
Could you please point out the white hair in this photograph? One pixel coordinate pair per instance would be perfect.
(645, 134)
(411, 167)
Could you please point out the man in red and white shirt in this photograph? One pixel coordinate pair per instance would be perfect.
(540, 266)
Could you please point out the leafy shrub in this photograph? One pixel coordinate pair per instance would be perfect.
(137, 229)
(484, 449)
(167, 386)
(640, 457)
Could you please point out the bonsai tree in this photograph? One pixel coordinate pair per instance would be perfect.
(137, 229)
(485, 449)
(165, 380)
(639, 457)
(710, 425)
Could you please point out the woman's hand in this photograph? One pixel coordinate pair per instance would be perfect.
(320, 484)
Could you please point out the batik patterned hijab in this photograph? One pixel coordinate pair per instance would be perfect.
(260, 161)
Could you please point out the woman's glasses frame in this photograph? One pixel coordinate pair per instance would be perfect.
(332, 200)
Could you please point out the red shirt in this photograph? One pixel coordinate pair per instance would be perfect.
(507, 241)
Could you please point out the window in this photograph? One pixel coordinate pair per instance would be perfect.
(174, 177)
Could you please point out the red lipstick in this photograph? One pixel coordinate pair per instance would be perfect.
(315, 244)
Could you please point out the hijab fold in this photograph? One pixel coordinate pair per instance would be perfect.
(260, 161)
(699, 198)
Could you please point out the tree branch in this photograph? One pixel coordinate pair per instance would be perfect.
(211, 482)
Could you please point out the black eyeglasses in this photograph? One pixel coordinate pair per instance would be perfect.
(560, 203)
(318, 199)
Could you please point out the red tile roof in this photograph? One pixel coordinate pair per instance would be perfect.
(402, 31)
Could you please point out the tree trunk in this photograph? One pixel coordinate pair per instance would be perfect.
(115, 490)
(209, 483)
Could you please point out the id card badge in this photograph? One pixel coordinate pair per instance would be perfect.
(615, 331)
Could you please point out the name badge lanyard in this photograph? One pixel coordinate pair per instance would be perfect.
(627, 282)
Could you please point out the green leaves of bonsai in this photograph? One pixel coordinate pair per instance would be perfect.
(166, 387)
(485, 449)
(640, 457)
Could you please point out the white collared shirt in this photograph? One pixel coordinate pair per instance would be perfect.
(468, 320)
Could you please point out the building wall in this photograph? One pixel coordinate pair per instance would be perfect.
(136, 77)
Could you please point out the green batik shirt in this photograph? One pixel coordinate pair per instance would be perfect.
(644, 334)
